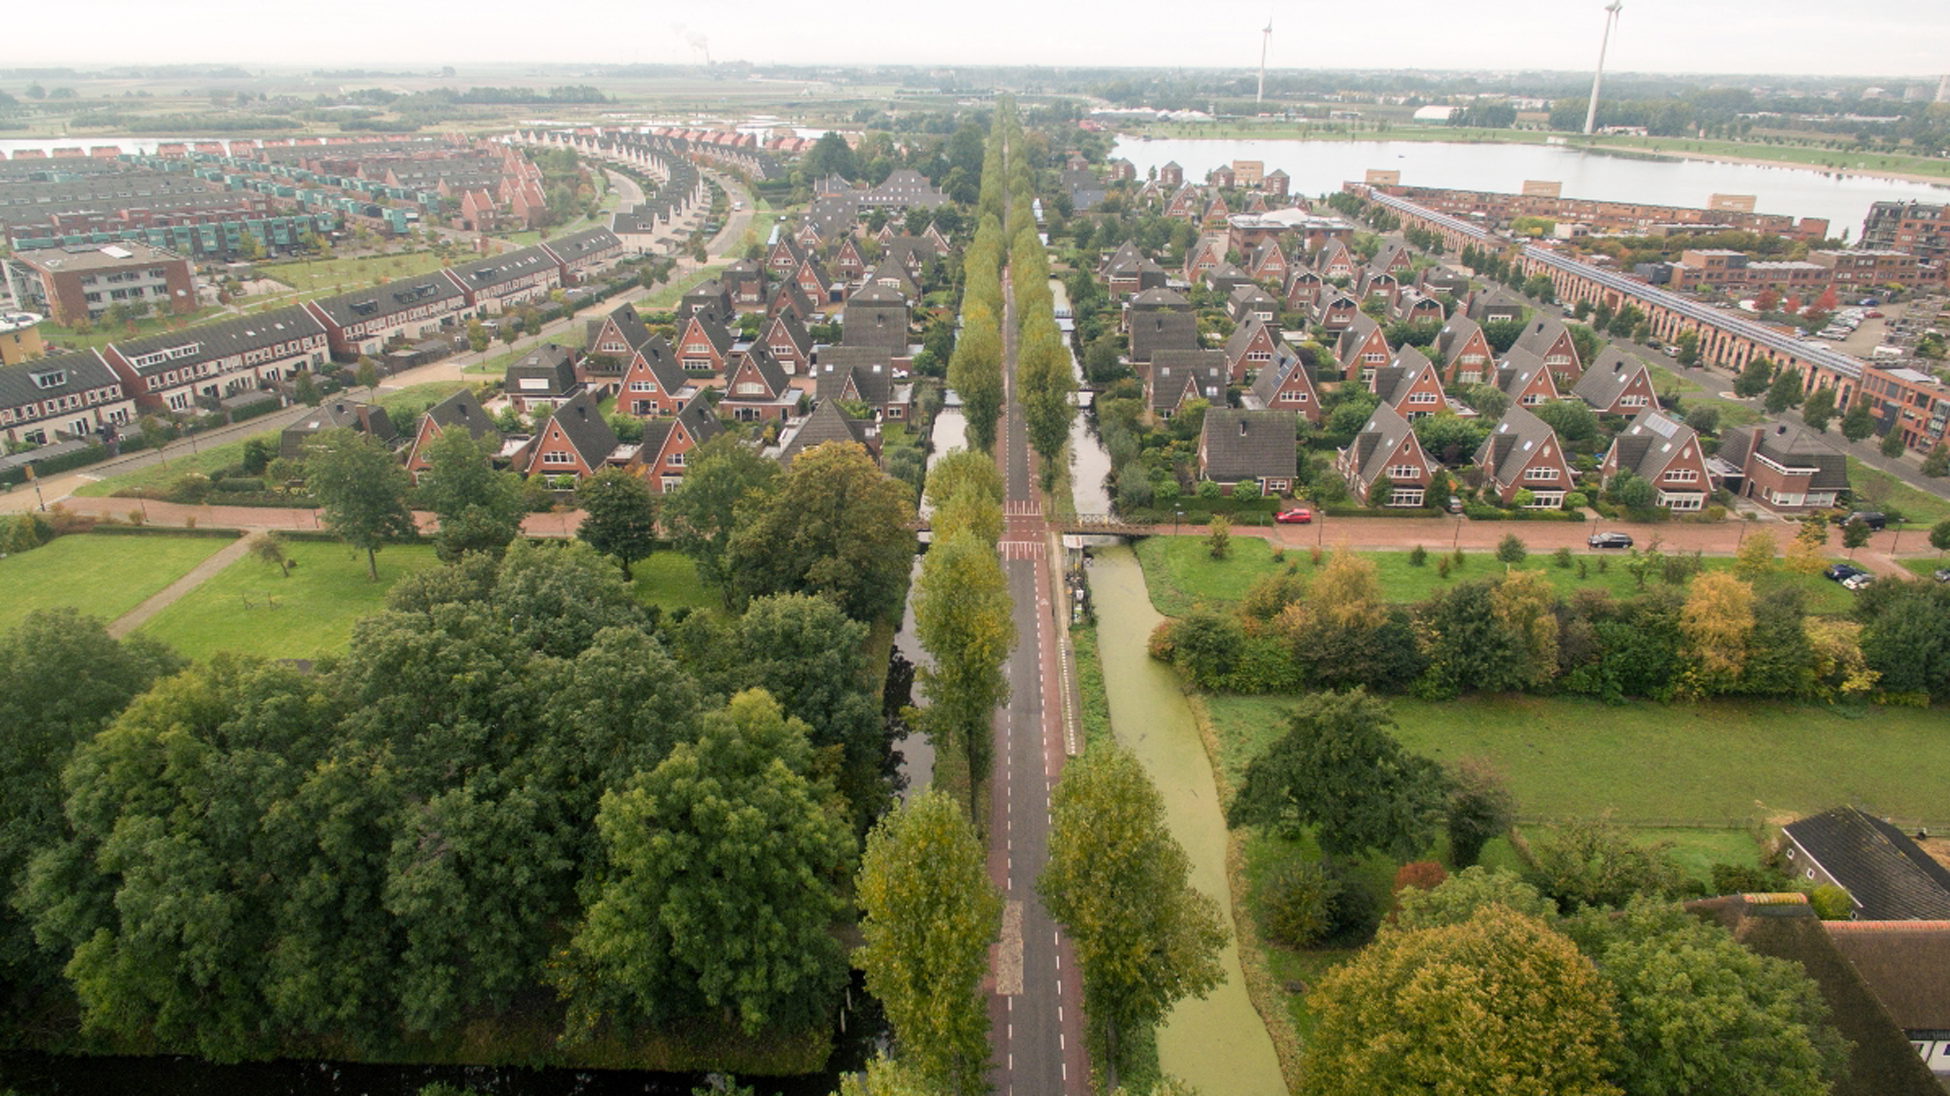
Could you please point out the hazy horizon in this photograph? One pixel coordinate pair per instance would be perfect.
(1792, 37)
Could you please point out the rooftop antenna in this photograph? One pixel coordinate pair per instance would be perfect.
(1591, 111)
(1265, 36)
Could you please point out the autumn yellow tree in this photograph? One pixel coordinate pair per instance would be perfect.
(1497, 1003)
(1807, 551)
(1840, 669)
(1755, 556)
(1716, 620)
(1525, 604)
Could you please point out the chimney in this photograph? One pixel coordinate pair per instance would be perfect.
(1242, 428)
(582, 412)
(1780, 429)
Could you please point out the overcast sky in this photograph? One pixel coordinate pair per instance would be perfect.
(1744, 36)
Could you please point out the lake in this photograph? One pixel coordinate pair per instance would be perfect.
(1319, 167)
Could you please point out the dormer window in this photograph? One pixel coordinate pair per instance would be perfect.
(53, 378)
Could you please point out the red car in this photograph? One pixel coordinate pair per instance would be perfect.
(1297, 516)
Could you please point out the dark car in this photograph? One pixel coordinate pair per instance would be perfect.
(1299, 515)
(1610, 540)
(1869, 518)
(1842, 572)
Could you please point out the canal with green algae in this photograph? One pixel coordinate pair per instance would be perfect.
(1218, 1044)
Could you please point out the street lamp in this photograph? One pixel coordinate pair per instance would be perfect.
(1177, 521)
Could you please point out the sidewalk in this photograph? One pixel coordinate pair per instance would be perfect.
(168, 595)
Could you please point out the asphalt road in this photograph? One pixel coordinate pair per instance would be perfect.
(1038, 1007)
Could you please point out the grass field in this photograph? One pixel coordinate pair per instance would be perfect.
(669, 580)
(205, 460)
(345, 275)
(1714, 765)
(1926, 566)
(1183, 576)
(101, 334)
(314, 609)
(1875, 488)
(103, 576)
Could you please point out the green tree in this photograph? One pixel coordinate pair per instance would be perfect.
(1497, 1003)
(1339, 769)
(619, 517)
(975, 373)
(722, 881)
(1754, 377)
(305, 389)
(367, 375)
(361, 490)
(1218, 536)
(1700, 1013)
(1688, 344)
(1456, 899)
(1511, 550)
(1481, 808)
(1936, 464)
(929, 914)
(1818, 410)
(723, 475)
(480, 509)
(1858, 422)
(1855, 534)
(267, 548)
(962, 616)
(1595, 863)
(1118, 882)
(1940, 535)
(1783, 392)
(1892, 444)
(836, 526)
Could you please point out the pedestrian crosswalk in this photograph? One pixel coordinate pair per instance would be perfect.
(1021, 549)
(1022, 509)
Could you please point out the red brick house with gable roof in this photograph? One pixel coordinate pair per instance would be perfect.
(1184, 205)
(1334, 309)
(1210, 251)
(1361, 348)
(847, 260)
(664, 453)
(703, 346)
(1268, 262)
(1285, 384)
(1551, 342)
(575, 441)
(1465, 351)
(1251, 347)
(1386, 446)
(785, 256)
(1335, 260)
(1302, 289)
(815, 283)
(758, 388)
(1616, 384)
(1665, 452)
(1525, 380)
(1411, 385)
(1523, 454)
(653, 382)
(789, 341)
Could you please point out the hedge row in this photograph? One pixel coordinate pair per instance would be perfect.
(67, 462)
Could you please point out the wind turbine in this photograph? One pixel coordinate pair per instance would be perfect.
(1611, 20)
(1265, 36)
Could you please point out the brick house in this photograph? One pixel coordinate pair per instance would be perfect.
(1361, 348)
(1665, 452)
(1256, 447)
(1334, 309)
(654, 382)
(1466, 354)
(1784, 468)
(1411, 385)
(498, 283)
(1251, 347)
(1386, 446)
(85, 281)
(1334, 260)
(744, 282)
(1268, 263)
(1164, 330)
(757, 388)
(664, 453)
(543, 377)
(362, 418)
(871, 375)
(363, 321)
(790, 343)
(575, 441)
(1887, 876)
(61, 396)
(1152, 300)
(1525, 380)
(1177, 377)
(1250, 302)
(1302, 289)
(1285, 384)
(460, 411)
(875, 316)
(1550, 341)
(582, 254)
(213, 361)
(788, 298)
(1523, 454)
(703, 346)
(827, 424)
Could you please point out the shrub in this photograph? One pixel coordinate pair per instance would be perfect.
(1458, 557)
(1315, 556)
(1511, 549)
(1419, 874)
(1210, 489)
(1297, 902)
(1442, 567)
(1562, 557)
(1831, 903)
(1742, 879)
(1418, 556)
(190, 488)
(1159, 646)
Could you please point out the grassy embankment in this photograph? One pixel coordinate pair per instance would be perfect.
(101, 576)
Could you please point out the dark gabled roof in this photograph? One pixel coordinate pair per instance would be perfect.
(365, 305)
(1881, 1061)
(330, 415)
(1651, 442)
(220, 339)
(875, 316)
(1389, 251)
(1250, 294)
(1517, 436)
(1890, 878)
(912, 252)
(661, 359)
(548, 362)
(634, 331)
(869, 367)
(83, 368)
(1392, 381)
(496, 269)
(832, 214)
(1791, 447)
(827, 423)
(1483, 304)
(890, 270)
(1375, 445)
(1519, 368)
(1354, 336)
(1538, 335)
(1454, 334)
(707, 298)
(1906, 964)
(719, 335)
(796, 301)
(1608, 376)
(1171, 370)
(1162, 330)
(1126, 257)
(1158, 297)
(575, 246)
(794, 330)
(1275, 373)
(462, 409)
(1243, 334)
(758, 355)
(1248, 445)
(588, 432)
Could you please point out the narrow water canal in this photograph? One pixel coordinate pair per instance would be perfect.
(1218, 1044)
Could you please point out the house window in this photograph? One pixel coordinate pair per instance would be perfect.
(1547, 474)
(1470, 376)
(1531, 399)
(1293, 396)
(642, 386)
(675, 460)
(1404, 471)
(1632, 401)
(1421, 397)
(1683, 475)
(556, 456)
(1546, 500)
(1405, 496)
(641, 407)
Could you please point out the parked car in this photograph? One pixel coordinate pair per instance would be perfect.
(1455, 504)
(1842, 572)
(1869, 302)
(1872, 314)
(1299, 515)
(1941, 574)
(1856, 582)
(1870, 518)
(1610, 540)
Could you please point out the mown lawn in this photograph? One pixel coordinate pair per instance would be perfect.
(669, 580)
(250, 608)
(1720, 764)
(1873, 488)
(1182, 575)
(103, 576)
(347, 274)
(205, 459)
